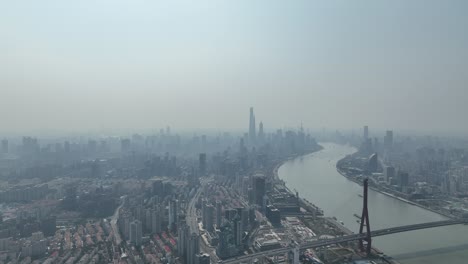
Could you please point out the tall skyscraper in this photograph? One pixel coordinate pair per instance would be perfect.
(182, 242)
(209, 218)
(366, 133)
(402, 178)
(373, 163)
(136, 233)
(202, 164)
(203, 212)
(193, 248)
(218, 213)
(252, 127)
(4, 146)
(259, 188)
(157, 188)
(388, 140)
(202, 258)
(241, 145)
(389, 173)
(261, 134)
(173, 214)
(238, 232)
(148, 220)
(156, 219)
(125, 145)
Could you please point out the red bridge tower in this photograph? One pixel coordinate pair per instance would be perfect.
(365, 222)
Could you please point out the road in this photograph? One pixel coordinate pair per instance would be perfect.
(191, 217)
(206, 248)
(115, 228)
(347, 238)
(192, 221)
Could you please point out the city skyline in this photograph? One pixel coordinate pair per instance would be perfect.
(233, 132)
(254, 130)
(112, 65)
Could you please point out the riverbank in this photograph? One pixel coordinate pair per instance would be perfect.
(394, 196)
(305, 203)
(281, 162)
(316, 179)
(329, 220)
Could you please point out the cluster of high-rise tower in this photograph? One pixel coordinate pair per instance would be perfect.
(253, 137)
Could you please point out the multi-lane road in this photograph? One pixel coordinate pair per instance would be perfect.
(115, 228)
(191, 217)
(192, 222)
(348, 238)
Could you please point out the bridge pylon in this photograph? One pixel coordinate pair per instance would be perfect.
(365, 222)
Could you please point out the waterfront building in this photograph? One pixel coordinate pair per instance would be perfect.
(273, 215)
(373, 163)
(259, 188)
(389, 173)
(402, 179)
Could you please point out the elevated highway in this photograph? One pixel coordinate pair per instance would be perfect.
(343, 239)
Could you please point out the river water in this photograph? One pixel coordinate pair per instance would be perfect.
(315, 177)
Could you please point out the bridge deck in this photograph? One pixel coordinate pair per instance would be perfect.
(348, 238)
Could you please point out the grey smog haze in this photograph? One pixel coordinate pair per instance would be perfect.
(113, 64)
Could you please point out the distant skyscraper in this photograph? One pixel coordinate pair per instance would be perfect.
(202, 164)
(203, 142)
(259, 188)
(157, 188)
(366, 133)
(209, 217)
(66, 146)
(389, 173)
(388, 140)
(173, 214)
(30, 145)
(238, 232)
(261, 134)
(252, 127)
(241, 145)
(244, 218)
(402, 178)
(218, 213)
(125, 145)
(156, 220)
(135, 233)
(4, 146)
(148, 220)
(373, 163)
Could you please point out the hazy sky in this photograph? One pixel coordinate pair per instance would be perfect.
(112, 64)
